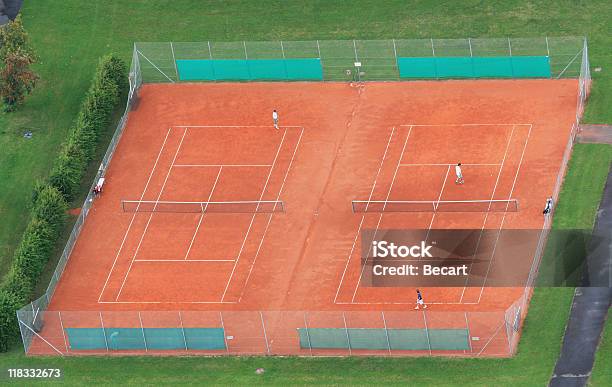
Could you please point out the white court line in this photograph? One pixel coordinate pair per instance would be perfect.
(134, 216)
(263, 191)
(486, 124)
(235, 126)
(484, 222)
(438, 202)
(399, 161)
(444, 165)
(168, 302)
(504, 215)
(348, 261)
(219, 165)
(202, 214)
(183, 260)
(280, 191)
(404, 303)
(150, 216)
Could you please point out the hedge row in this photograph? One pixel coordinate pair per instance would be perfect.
(50, 199)
(94, 116)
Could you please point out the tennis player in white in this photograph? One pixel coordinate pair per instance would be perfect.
(459, 174)
(275, 118)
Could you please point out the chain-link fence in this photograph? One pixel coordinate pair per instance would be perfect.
(303, 333)
(377, 59)
(156, 62)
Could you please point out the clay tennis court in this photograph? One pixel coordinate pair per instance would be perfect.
(268, 267)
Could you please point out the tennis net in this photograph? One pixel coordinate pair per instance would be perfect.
(255, 206)
(510, 205)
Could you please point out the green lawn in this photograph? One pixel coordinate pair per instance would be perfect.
(69, 36)
(602, 374)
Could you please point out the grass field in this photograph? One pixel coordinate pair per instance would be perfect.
(70, 38)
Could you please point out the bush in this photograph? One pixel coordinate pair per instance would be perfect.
(50, 206)
(35, 247)
(93, 118)
(9, 327)
(18, 283)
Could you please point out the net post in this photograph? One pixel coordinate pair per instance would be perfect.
(307, 333)
(144, 338)
(348, 337)
(103, 331)
(59, 314)
(427, 332)
(386, 332)
(263, 327)
(183, 331)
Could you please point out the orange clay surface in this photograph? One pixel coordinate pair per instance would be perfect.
(336, 143)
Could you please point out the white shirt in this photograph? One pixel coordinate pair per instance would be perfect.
(274, 115)
(457, 170)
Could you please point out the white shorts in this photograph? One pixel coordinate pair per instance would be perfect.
(459, 176)
(420, 302)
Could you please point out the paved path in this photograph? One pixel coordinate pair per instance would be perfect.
(595, 134)
(590, 305)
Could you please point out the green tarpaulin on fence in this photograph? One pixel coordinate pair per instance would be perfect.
(384, 339)
(474, 67)
(249, 69)
(146, 338)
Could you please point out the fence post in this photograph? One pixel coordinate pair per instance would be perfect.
(282, 49)
(386, 332)
(470, 44)
(355, 48)
(509, 46)
(62, 328)
(144, 338)
(547, 49)
(174, 62)
(348, 337)
(427, 332)
(103, 331)
(467, 326)
(263, 326)
(246, 55)
(307, 333)
(224, 335)
(433, 50)
(183, 330)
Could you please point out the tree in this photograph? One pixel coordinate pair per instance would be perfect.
(16, 56)
(14, 37)
(16, 79)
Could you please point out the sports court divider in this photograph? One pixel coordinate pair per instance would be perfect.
(303, 333)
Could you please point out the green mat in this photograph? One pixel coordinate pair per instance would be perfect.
(248, 70)
(474, 67)
(384, 339)
(153, 339)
